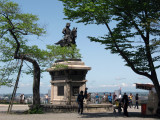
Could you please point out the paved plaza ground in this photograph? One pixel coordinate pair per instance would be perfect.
(134, 114)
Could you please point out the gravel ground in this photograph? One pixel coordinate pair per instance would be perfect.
(134, 114)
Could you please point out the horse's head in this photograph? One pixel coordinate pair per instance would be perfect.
(74, 32)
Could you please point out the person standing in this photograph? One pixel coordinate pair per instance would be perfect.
(125, 104)
(80, 99)
(104, 98)
(130, 100)
(46, 99)
(85, 96)
(136, 99)
(107, 97)
(110, 98)
(97, 98)
(22, 98)
(114, 98)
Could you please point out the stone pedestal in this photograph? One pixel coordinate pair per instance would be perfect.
(68, 78)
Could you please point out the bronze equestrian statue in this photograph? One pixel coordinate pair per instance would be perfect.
(69, 36)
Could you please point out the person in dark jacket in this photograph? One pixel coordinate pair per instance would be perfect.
(125, 104)
(80, 99)
(136, 98)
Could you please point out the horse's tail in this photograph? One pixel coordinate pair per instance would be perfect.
(56, 43)
(59, 42)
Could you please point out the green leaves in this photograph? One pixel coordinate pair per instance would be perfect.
(8, 7)
(87, 11)
(20, 23)
(14, 26)
(54, 53)
(7, 71)
(136, 31)
(27, 24)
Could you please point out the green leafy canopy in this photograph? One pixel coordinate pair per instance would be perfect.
(21, 25)
(135, 36)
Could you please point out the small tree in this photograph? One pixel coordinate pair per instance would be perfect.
(134, 20)
(61, 53)
(14, 26)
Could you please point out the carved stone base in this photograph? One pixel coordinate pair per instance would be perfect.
(68, 78)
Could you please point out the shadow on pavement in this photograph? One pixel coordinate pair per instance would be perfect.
(131, 114)
(15, 112)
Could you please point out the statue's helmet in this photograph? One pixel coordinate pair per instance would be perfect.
(68, 24)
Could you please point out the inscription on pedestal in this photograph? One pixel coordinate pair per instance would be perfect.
(75, 90)
(60, 90)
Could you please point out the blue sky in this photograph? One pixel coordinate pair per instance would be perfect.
(108, 71)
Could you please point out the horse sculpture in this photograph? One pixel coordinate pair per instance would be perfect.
(69, 40)
(73, 35)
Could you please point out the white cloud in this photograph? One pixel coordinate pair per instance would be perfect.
(42, 84)
(91, 86)
(142, 78)
(149, 83)
(25, 85)
(45, 85)
(118, 85)
(120, 78)
(125, 85)
(108, 86)
(133, 85)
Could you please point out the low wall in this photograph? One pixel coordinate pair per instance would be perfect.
(74, 108)
(98, 108)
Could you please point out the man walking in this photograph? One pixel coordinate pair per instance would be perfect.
(136, 98)
(125, 104)
(80, 99)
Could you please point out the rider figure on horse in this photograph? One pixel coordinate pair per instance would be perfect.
(69, 36)
(67, 33)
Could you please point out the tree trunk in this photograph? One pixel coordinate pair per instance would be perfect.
(36, 80)
(36, 71)
(36, 84)
(157, 88)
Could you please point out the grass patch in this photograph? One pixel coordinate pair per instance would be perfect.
(35, 110)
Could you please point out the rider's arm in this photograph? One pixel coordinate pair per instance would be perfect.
(64, 31)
